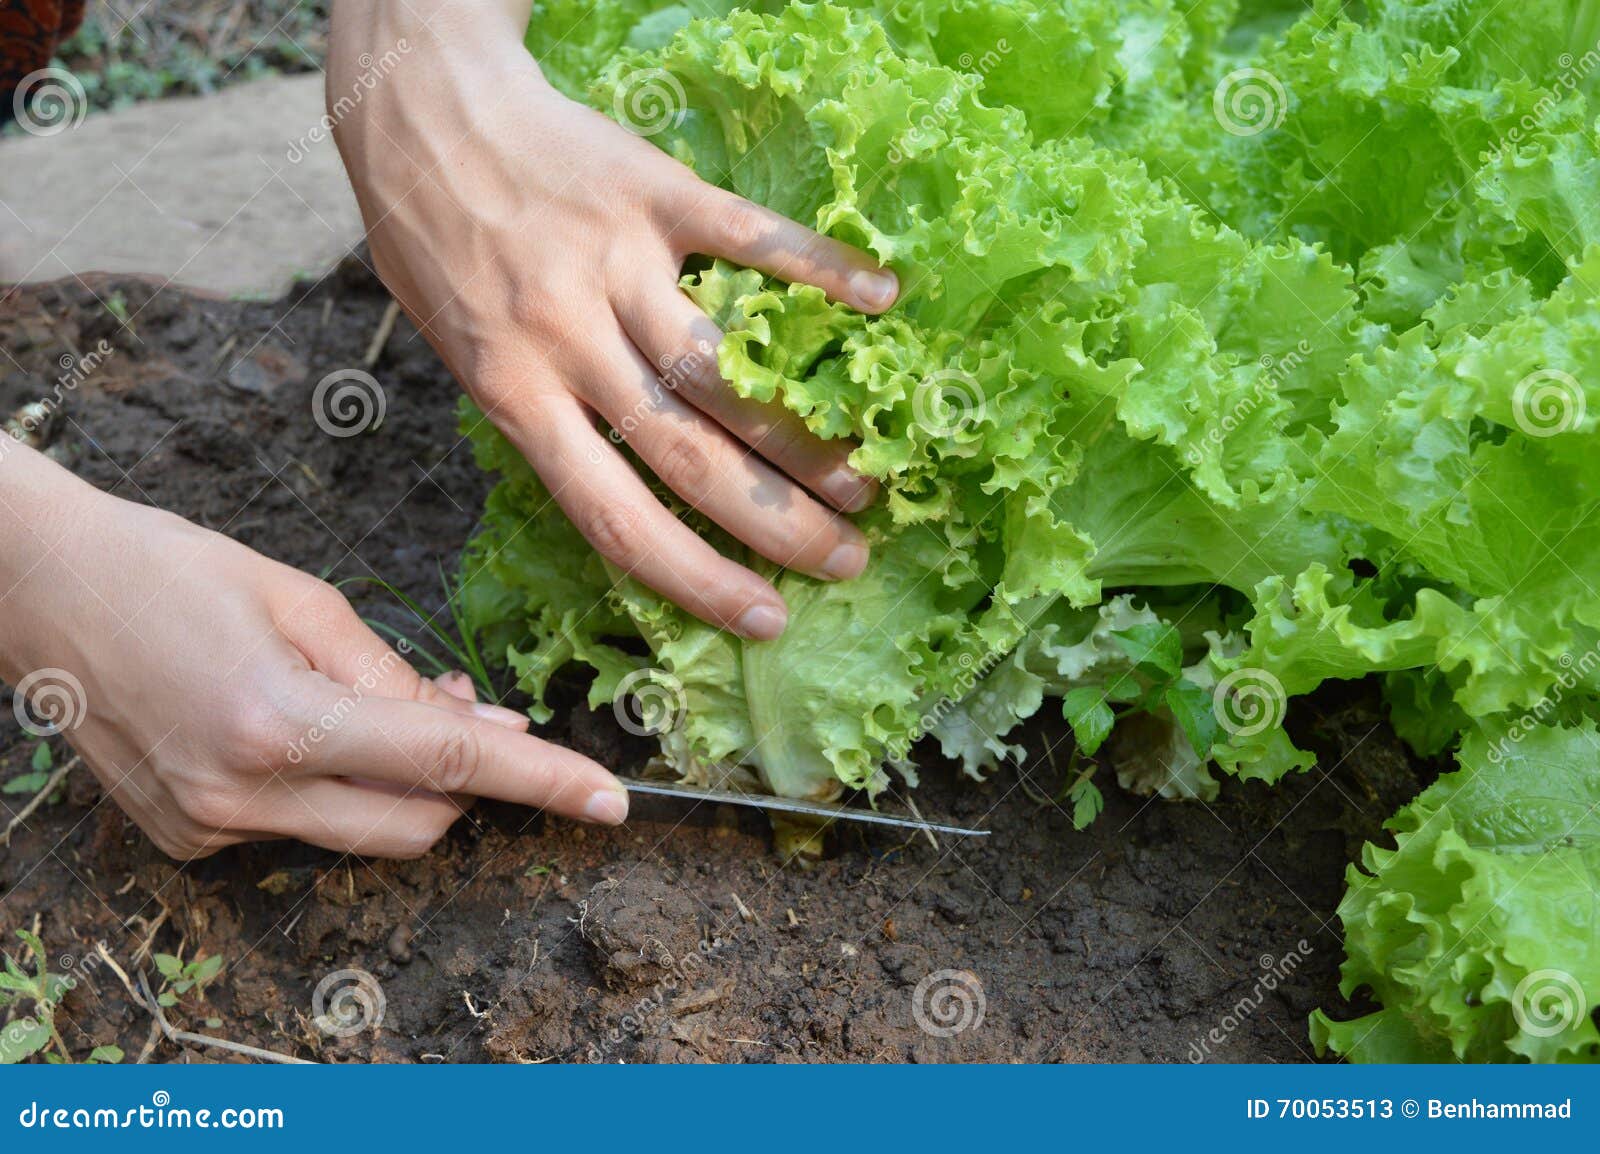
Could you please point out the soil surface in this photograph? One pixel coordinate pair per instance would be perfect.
(126, 53)
(1165, 932)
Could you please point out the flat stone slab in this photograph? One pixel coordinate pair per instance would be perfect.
(224, 193)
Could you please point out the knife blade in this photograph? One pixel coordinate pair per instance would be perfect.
(792, 805)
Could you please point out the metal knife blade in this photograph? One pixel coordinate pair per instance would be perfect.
(790, 805)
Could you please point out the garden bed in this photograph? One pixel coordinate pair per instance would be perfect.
(682, 937)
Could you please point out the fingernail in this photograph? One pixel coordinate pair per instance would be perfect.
(848, 489)
(874, 288)
(846, 561)
(763, 622)
(606, 807)
(500, 716)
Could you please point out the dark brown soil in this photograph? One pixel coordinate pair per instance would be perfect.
(682, 937)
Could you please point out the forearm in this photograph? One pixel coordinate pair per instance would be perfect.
(365, 30)
(402, 15)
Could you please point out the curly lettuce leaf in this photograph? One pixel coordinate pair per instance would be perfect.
(1476, 932)
(1142, 345)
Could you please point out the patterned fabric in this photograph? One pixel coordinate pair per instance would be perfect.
(29, 33)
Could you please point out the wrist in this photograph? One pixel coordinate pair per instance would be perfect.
(41, 505)
(364, 33)
(403, 71)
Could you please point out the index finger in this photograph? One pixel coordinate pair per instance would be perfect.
(721, 223)
(444, 751)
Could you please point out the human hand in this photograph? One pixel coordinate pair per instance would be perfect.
(538, 246)
(221, 697)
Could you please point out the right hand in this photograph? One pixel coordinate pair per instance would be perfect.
(538, 245)
(221, 697)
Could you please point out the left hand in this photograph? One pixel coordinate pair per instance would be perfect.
(538, 246)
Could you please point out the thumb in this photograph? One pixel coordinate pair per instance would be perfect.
(455, 690)
(458, 685)
(331, 635)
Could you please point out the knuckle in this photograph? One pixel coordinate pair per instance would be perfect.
(318, 608)
(697, 378)
(393, 845)
(533, 305)
(257, 732)
(326, 603)
(198, 850)
(410, 848)
(615, 531)
(784, 443)
(686, 465)
(740, 225)
(541, 780)
(421, 840)
(724, 599)
(428, 692)
(172, 847)
(460, 758)
(209, 809)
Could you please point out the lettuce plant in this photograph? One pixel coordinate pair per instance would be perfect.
(1243, 346)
